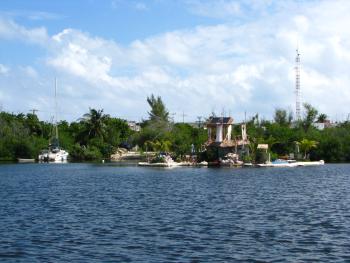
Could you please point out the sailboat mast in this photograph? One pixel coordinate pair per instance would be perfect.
(56, 128)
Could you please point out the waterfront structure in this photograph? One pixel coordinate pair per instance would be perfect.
(219, 129)
(220, 141)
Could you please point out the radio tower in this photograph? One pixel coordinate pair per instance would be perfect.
(297, 86)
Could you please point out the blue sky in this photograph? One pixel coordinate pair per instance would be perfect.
(201, 56)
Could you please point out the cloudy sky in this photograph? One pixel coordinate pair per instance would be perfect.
(200, 56)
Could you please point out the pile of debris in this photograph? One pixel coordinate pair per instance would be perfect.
(231, 159)
(119, 153)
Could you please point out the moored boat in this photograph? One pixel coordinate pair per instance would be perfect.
(290, 163)
(25, 160)
(54, 153)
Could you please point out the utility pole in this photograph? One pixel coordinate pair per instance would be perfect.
(183, 117)
(33, 111)
(199, 121)
(173, 116)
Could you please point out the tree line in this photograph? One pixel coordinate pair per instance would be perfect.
(302, 138)
(97, 135)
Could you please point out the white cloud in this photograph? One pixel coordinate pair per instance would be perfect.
(3, 69)
(231, 9)
(28, 71)
(141, 6)
(115, 4)
(11, 30)
(240, 67)
(216, 9)
(31, 15)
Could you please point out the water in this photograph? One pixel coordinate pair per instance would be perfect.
(104, 213)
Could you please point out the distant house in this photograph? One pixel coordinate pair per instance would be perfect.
(134, 126)
(322, 125)
(220, 141)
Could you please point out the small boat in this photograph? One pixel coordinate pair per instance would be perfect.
(315, 163)
(289, 163)
(168, 162)
(25, 160)
(174, 164)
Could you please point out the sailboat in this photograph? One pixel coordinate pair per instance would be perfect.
(54, 153)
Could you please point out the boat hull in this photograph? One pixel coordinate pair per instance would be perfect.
(294, 164)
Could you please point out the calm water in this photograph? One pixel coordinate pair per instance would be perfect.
(104, 213)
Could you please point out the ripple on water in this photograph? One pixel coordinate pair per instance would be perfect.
(94, 213)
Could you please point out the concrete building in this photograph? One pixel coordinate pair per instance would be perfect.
(220, 141)
(134, 126)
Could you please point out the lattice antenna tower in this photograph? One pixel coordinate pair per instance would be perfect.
(297, 86)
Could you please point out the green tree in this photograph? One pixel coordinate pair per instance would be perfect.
(306, 145)
(33, 124)
(310, 116)
(94, 122)
(322, 118)
(158, 110)
(282, 118)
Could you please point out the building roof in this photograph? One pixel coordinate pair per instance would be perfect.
(220, 120)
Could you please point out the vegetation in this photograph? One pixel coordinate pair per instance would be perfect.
(97, 135)
(300, 138)
(159, 134)
(93, 137)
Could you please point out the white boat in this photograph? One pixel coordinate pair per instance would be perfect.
(321, 162)
(173, 164)
(289, 163)
(54, 153)
(25, 160)
(168, 162)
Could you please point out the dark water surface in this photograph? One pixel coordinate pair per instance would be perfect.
(104, 213)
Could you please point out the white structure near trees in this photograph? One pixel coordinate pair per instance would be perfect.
(219, 129)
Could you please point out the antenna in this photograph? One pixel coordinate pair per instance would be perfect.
(297, 86)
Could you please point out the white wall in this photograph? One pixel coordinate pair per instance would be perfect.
(219, 130)
(229, 131)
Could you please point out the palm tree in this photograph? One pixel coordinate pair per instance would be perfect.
(306, 145)
(322, 118)
(95, 123)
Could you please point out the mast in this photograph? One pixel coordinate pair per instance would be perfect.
(297, 86)
(56, 128)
